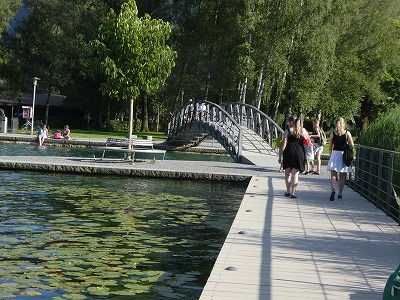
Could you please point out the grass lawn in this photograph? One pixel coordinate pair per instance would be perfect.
(80, 133)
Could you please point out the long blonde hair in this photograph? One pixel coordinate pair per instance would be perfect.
(297, 129)
(340, 124)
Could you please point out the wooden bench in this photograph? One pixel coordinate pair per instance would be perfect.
(122, 145)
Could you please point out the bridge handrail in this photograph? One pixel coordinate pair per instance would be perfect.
(376, 177)
(253, 118)
(215, 121)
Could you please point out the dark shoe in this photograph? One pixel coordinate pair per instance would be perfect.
(287, 194)
(332, 197)
(293, 196)
(339, 196)
(316, 173)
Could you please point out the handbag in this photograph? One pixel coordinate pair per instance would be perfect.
(348, 154)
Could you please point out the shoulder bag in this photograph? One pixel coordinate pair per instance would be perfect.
(348, 154)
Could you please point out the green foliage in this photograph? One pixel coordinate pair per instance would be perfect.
(7, 12)
(121, 125)
(384, 132)
(133, 53)
(306, 56)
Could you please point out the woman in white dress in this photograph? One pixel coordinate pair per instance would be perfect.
(337, 142)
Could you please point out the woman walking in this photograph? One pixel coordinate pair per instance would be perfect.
(292, 156)
(338, 139)
(319, 147)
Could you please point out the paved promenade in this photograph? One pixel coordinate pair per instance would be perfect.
(278, 247)
(304, 248)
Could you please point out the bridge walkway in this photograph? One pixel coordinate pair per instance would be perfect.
(304, 248)
(256, 151)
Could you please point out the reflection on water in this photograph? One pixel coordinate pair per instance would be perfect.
(34, 150)
(88, 237)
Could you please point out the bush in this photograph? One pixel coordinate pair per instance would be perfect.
(383, 133)
(116, 125)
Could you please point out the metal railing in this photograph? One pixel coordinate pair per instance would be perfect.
(254, 119)
(376, 177)
(213, 120)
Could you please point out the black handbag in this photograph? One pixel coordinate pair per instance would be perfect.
(348, 154)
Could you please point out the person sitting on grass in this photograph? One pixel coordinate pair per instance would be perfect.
(66, 132)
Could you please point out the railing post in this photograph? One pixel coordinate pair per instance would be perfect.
(379, 180)
(389, 188)
(362, 172)
(370, 175)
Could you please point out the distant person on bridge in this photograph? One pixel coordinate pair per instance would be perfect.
(337, 142)
(292, 156)
(189, 110)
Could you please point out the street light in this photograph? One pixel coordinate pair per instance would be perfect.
(35, 79)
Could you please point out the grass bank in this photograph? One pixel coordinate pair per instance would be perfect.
(80, 133)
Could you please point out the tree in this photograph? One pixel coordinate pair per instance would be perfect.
(7, 12)
(133, 55)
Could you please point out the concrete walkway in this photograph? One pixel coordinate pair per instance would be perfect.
(304, 248)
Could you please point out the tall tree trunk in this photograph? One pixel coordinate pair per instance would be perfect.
(131, 119)
(46, 115)
(158, 119)
(239, 90)
(260, 87)
(145, 113)
(108, 116)
(278, 96)
(130, 127)
(180, 84)
(221, 96)
(243, 90)
(135, 115)
(207, 86)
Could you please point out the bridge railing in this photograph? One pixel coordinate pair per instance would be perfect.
(376, 176)
(214, 120)
(254, 119)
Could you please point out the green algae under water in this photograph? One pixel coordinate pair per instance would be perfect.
(65, 236)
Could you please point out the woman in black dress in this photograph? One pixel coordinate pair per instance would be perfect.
(293, 155)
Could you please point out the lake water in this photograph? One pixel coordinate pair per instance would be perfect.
(67, 236)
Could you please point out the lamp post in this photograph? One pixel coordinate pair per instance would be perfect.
(35, 79)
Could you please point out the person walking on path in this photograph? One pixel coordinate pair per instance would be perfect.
(292, 156)
(318, 146)
(338, 139)
(309, 150)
